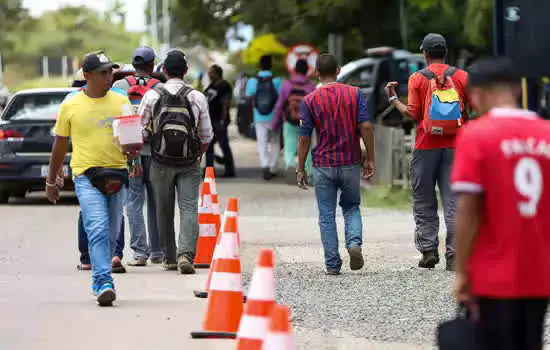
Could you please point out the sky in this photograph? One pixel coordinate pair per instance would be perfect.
(135, 9)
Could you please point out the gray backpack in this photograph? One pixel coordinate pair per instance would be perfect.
(175, 137)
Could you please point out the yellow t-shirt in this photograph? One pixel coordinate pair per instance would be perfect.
(89, 123)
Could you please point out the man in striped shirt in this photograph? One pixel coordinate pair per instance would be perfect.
(339, 115)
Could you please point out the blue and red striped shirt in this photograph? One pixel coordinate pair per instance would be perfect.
(335, 112)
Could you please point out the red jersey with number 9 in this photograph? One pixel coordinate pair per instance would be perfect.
(505, 155)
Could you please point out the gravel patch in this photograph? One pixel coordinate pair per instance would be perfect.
(398, 305)
(403, 305)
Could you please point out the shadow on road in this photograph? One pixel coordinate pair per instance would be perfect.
(244, 175)
(39, 198)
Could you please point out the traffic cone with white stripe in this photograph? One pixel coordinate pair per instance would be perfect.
(261, 299)
(208, 229)
(211, 179)
(225, 297)
(279, 335)
(231, 211)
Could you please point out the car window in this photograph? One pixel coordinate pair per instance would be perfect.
(403, 70)
(44, 106)
(362, 77)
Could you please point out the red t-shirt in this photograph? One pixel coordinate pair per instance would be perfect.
(418, 88)
(506, 156)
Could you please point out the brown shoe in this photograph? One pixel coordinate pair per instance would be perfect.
(138, 262)
(356, 260)
(117, 266)
(185, 267)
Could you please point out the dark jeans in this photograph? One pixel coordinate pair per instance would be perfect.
(221, 137)
(83, 242)
(512, 324)
(431, 168)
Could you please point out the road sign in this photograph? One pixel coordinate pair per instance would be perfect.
(301, 51)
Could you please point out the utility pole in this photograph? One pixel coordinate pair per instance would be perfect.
(165, 46)
(154, 24)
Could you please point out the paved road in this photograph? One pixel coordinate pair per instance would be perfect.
(46, 304)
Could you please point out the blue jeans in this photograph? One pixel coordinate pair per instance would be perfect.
(139, 186)
(83, 241)
(327, 182)
(102, 217)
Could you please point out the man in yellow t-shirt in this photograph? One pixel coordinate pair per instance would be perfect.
(87, 118)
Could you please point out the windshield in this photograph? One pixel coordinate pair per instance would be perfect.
(362, 77)
(43, 106)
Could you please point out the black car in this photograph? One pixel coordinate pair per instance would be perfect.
(26, 140)
(371, 74)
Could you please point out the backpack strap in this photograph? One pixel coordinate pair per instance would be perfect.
(427, 73)
(449, 72)
(130, 79)
(152, 82)
(264, 78)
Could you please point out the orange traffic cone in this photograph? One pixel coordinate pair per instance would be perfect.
(231, 211)
(261, 298)
(208, 230)
(211, 179)
(225, 297)
(279, 335)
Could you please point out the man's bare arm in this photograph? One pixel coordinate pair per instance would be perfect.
(468, 221)
(303, 148)
(59, 150)
(402, 108)
(367, 135)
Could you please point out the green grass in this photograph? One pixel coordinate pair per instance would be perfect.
(39, 83)
(386, 197)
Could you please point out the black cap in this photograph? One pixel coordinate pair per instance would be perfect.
(96, 63)
(175, 59)
(433, 41)
(493, 70)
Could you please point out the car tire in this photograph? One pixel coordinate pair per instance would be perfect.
(4, 196)
(20, 194)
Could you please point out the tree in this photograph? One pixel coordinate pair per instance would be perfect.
(13, 20)
(197, 21)
(465, 24)
(72, 31)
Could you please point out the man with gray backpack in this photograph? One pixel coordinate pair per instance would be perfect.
(263, 91)
(176, 121)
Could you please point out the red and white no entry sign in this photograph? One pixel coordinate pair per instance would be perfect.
(301, 51)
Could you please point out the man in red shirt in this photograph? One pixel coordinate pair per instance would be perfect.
(501, 171)
(433, 154)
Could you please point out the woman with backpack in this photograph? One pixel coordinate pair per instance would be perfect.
(287, 114)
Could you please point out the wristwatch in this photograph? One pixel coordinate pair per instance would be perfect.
(391, 99)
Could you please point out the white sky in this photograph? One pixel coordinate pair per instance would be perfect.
(135, 9)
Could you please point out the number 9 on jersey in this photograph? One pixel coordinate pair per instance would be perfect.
(528, 183)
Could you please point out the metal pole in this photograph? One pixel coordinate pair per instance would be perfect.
(154, 24)
(45, 67)
(166, 21)
(64, 67)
